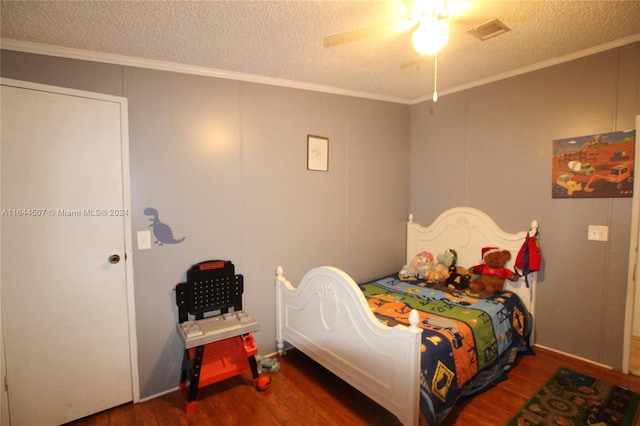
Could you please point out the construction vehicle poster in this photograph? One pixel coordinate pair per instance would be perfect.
(594, 166)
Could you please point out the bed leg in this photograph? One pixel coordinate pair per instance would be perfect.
(280, 282)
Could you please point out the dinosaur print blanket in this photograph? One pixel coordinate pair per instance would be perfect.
(467, 343)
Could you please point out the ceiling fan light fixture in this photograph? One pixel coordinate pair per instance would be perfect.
(431, 36)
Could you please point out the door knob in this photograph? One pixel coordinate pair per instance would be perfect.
(114, 258)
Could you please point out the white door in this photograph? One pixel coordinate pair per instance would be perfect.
(66, 313)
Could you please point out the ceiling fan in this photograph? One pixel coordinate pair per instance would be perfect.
(426, 19)
(428, 22)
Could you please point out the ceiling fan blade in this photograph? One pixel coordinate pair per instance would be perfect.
(413, 58)
(415, 61)
(359, 34)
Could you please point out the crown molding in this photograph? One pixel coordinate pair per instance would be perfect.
(534, 67)
(109, 58)
(88, 55)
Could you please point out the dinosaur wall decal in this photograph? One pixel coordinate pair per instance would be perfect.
(162, 231)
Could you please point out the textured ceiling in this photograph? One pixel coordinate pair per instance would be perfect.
(281, 41)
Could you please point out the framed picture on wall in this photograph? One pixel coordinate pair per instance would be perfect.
(592, 166)
(317, 153)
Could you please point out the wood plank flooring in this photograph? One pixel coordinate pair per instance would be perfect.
(304, 393)
(497, 405)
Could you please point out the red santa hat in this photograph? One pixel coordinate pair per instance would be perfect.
(487, 250)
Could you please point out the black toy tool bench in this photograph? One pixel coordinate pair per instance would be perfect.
(214, 328)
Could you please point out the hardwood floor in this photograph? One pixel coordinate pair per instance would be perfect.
(497, 405)
(304, 393)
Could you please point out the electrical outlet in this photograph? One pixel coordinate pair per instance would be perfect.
(144, 240)
(598, 233)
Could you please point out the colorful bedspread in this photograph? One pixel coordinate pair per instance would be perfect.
(467, 343)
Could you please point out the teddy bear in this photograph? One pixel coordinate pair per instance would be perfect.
(491, 272)
(417, 267)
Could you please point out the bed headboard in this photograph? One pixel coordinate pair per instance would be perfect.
(467, 230)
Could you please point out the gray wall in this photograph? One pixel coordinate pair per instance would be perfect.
(224, 162)
(491, 148)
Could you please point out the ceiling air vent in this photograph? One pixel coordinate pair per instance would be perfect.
(489, 30)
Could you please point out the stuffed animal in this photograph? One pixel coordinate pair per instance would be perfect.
(448, 258)
(459, 278)
(440, 271)
(266, 364)
(418, 266)
(492, 273)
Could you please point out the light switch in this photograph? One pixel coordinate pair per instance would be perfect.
(144, 240)
(598, 233)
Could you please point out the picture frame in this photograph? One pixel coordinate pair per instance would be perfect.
(594, 166)
(317, 153)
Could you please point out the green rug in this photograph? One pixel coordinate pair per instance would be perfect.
(571, 398)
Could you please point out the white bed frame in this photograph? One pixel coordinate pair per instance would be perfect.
(327, 316)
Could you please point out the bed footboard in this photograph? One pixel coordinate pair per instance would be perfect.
(327, 318)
